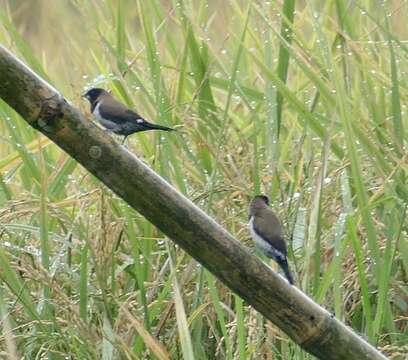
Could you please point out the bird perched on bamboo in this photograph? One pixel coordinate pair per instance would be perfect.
(266, 232)
(115, 116)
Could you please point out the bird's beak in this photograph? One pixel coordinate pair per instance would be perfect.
(84, 95)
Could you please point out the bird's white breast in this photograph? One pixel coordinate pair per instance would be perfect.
(96, 112)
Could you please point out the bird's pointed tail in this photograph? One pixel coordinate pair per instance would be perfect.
(285, 267)
(158, 127)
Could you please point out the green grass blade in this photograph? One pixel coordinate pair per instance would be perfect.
(13, 281)
(359, 257)
(283, 59)
(399, 134)
(23, 47)
(220, 316)
(61, 178)
(83, 285)
(182, 324)
(120, 36)
(239, 308)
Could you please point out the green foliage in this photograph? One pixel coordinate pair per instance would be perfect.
(304, 101)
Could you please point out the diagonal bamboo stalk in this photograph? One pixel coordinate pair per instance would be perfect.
(309, 325)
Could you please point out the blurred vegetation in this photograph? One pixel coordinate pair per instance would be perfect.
(312, 113)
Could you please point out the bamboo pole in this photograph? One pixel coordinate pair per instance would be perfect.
(308, 324)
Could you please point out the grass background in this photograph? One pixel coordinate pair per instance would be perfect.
(302, 100)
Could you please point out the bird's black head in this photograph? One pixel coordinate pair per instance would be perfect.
(93, 94)
(263, 198)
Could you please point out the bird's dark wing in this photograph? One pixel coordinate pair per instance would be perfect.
(128, 120)
(268, 227)
(118, 112)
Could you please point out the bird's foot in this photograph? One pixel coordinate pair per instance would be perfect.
(124, 142)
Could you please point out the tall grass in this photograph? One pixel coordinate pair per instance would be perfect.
(304, 101)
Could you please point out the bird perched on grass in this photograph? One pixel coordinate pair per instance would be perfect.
(115, 116)
(266, 231)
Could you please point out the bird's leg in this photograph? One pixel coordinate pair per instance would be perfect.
(124, 140)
